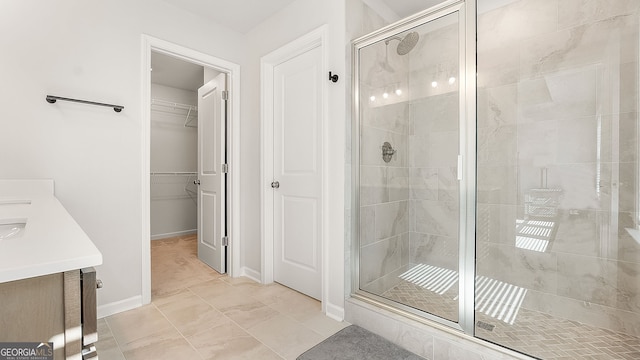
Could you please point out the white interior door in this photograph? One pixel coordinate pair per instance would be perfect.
(297, 172)
(211, 177)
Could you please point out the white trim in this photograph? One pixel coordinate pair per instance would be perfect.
(150, 43)
(174, 234)
(335, 312)
(250, 273)
(119, 306)
(266, 171)
(316, 38)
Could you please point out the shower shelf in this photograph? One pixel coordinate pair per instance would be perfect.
(542, 202)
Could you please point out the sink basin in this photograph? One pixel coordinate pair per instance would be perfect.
(12, 228)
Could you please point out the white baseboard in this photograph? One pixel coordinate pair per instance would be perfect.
(119, 306)
(251, 274)
(335, 312)
(174, 234)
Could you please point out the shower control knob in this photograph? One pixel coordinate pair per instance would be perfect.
(275, 184)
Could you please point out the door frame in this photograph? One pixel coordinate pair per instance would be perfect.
(316, 38)
(232, 70)
(466, 161)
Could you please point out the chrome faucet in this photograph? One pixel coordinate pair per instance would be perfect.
(387, 151)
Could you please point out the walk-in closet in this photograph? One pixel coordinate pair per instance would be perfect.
(174, 138)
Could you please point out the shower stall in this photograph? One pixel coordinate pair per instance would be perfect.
(495, 173)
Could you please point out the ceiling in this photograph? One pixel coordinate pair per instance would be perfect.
(244, 15)
(169, 71)
(405, 8)
(239, 15)
(394, 10)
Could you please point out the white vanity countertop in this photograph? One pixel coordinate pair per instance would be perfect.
(52, 241)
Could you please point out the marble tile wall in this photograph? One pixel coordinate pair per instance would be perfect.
(409, 206)
(557, 90)
(558, 108)
(384, 186)
(423, 183)
(431, 342)
(434, 145)
(363, 20)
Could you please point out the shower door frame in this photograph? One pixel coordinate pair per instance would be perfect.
(467, 162)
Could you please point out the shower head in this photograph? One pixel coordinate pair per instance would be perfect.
(406, 44)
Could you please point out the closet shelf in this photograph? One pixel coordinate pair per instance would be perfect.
(173, 173)
(191, 110)
(179, 184)
(173, 105)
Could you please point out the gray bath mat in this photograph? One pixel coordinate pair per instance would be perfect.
(356, 343)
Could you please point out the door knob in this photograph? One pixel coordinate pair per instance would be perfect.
(275, 184)
(196, 182)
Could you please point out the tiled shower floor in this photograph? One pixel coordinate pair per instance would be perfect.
(422, 299)
(533, 333)
(549, 337)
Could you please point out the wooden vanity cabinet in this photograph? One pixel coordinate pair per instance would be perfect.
(44, 309)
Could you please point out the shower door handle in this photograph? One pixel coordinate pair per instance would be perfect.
(275, 184)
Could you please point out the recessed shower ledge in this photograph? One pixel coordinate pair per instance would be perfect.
(429, 328)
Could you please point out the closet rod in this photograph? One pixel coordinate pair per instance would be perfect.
(161, 173)
(51, 99)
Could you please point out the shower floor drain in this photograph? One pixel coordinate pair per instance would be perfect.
(485, 326)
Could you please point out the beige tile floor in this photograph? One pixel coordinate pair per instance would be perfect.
(197, 313)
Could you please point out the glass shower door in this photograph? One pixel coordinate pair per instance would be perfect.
(558, 247)
(409, 102)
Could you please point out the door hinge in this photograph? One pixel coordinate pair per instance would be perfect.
(225, 95)
(225, 168)
(225, 241)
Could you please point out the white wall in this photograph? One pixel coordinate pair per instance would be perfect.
(297, 19)
(90, 50)
(174, 148)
